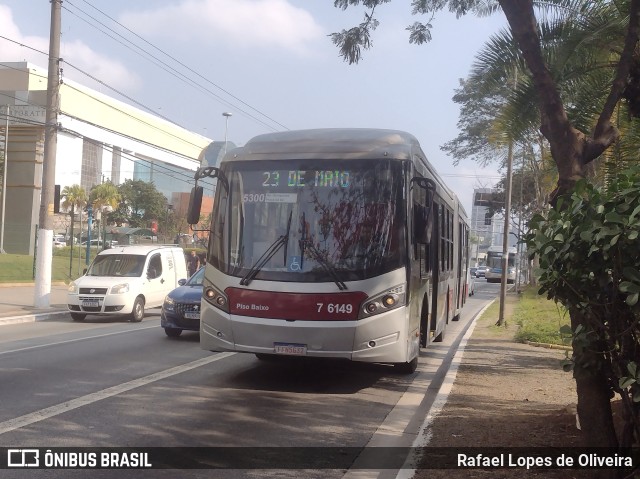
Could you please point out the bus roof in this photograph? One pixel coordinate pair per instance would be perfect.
(329, 143)
(499, 249)
(341, 144)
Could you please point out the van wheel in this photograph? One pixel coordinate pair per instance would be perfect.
(78, 316)
(173, 332)
(137, 314)
(407, 368)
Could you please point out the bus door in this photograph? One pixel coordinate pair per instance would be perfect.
(421, 266)
(438, 259)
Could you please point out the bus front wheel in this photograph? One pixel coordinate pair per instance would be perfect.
(407, 368)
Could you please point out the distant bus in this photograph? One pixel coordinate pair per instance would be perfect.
(335, 243)
(493, 273)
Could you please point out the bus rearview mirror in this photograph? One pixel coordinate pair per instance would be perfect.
(195, 204)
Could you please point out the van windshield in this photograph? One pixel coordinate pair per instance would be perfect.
(129, 265)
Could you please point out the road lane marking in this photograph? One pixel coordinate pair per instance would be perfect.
(424, 435)
(406, 425)
(37, 346)
(37, 416)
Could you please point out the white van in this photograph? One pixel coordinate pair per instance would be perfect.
(125, 280)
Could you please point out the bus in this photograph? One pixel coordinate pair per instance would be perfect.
(494, 264)
(331, 243)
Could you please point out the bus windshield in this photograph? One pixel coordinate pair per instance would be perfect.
(309, 220)
(494, 260)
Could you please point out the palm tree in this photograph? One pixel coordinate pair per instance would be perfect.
(104, 197)
(582, 50)
(74, 197)
(499, 101)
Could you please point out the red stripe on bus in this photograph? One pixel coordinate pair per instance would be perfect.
(295, 306)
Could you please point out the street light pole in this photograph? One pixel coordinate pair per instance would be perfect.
(226, 115)
(4, 182)
(89, 226)
(505, 236)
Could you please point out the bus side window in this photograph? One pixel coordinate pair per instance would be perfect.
(427, 247)
(450, 239)
(443, 232)
(421, 230)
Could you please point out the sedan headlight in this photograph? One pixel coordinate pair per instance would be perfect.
(169, 304)
(73, 288)
(120, 288)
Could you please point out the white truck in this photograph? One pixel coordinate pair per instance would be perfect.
(126, 279)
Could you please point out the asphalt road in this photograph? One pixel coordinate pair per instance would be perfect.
(106, 383)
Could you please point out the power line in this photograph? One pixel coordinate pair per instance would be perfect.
(187, 67)
(108, 105)
(155, 165)
(23, 45)
(172, 70)
(115, 131)
(174, 73)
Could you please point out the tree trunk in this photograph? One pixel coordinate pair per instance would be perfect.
(594, 393)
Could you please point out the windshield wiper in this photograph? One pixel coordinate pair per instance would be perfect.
(329, 268)
(281, 241)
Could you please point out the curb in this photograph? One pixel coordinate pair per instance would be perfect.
(30, 318)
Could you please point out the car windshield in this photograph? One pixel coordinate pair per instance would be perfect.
(196, 279)
(309, 220)
(129, 265)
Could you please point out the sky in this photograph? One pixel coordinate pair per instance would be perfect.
(270, 63)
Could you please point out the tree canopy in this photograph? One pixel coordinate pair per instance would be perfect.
(140, 203)
(572, 148)
(603, 36)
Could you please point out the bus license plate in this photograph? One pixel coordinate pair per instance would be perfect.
(290, 349)
(192, 315)
(90, 304)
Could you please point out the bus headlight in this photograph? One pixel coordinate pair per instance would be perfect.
(215, 297)
(387, 300)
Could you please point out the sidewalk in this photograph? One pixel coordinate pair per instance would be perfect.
(16, 303)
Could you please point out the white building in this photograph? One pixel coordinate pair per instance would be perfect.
(99, 139)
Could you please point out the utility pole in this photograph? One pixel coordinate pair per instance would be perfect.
(44, 252)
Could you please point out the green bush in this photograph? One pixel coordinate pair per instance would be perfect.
(540, 320)
(589, 252)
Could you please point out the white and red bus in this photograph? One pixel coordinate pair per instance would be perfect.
(336, 243)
